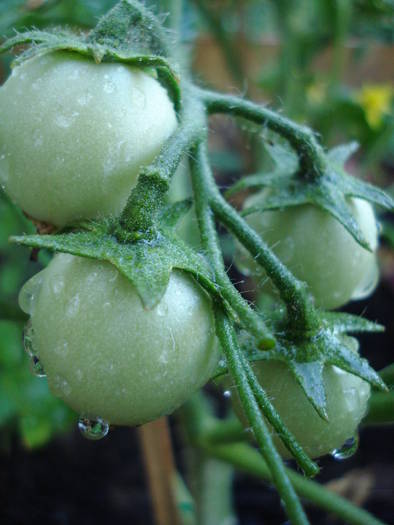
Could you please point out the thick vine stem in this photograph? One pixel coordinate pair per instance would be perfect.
(210, 242)
(228, 341)
(301, 313)
(146, 199)
(311, 154)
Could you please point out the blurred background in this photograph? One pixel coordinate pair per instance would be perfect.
(325, 63)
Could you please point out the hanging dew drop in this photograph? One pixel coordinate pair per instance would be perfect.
(28, 335)
(93, 428)
(36, 367)
(347, 450)
(227, 394)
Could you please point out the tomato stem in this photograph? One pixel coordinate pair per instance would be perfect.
(232, 351)
(139, 216)
(210, 242)
(313, 164)
(302, 316)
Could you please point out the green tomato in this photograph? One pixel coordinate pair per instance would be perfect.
(318, 250)
(74, 134)
(347, 400)
(107, 356)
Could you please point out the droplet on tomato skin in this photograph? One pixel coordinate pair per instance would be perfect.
(60, 386)
(36, 367)
(29, 293)
(347, 450)
(93, 428)
(28, 338)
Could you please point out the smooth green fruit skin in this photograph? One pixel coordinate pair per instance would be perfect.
(107, 356)
(74, 134)
(317, 249)
(347, 400)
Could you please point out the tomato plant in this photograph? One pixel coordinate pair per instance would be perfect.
(318, 250)
(125, 319)
(104, 354)
(80, 133)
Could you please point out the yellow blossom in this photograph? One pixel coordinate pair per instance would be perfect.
(376, 102)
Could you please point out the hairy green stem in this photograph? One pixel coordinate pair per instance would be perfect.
(210, 243)
(302, 315)
(228, 340)
(311, 155)
(247, 459)
(147, 198)
(380, 409)
(308, 466)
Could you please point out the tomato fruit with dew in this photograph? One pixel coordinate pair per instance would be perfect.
(107, 356)
(347, 400)
(317, 249)
(74, 134)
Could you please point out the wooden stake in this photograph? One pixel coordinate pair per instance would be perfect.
(160, 469)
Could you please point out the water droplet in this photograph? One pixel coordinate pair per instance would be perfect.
(162, 309)
(222, 363)
(60, 386)
(93, 428)
(109, 87)
(61, 348)
(36, 367)
(227, 394)
(73, 306)
(347, 450)
(28, 335)
(29, 293)
(57, 287)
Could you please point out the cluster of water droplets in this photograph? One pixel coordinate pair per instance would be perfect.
(27, 299)
(347, 450)
(93, 428)
(28, 343)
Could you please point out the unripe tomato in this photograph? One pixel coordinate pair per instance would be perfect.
(317, 249)
(74, 134)
(347, 399)
(107, 356)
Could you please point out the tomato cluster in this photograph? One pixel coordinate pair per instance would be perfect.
(80, 134)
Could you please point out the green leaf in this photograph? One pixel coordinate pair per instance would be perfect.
(343, 357)
(330, 192)
(147, 264)
(129, 27)
(342, 153)
(308, 357)
(363, 190)
(343, 323)
(310, 376)
(332, 200)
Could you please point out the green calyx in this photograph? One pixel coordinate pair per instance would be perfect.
(290, 187)
(128, 33)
